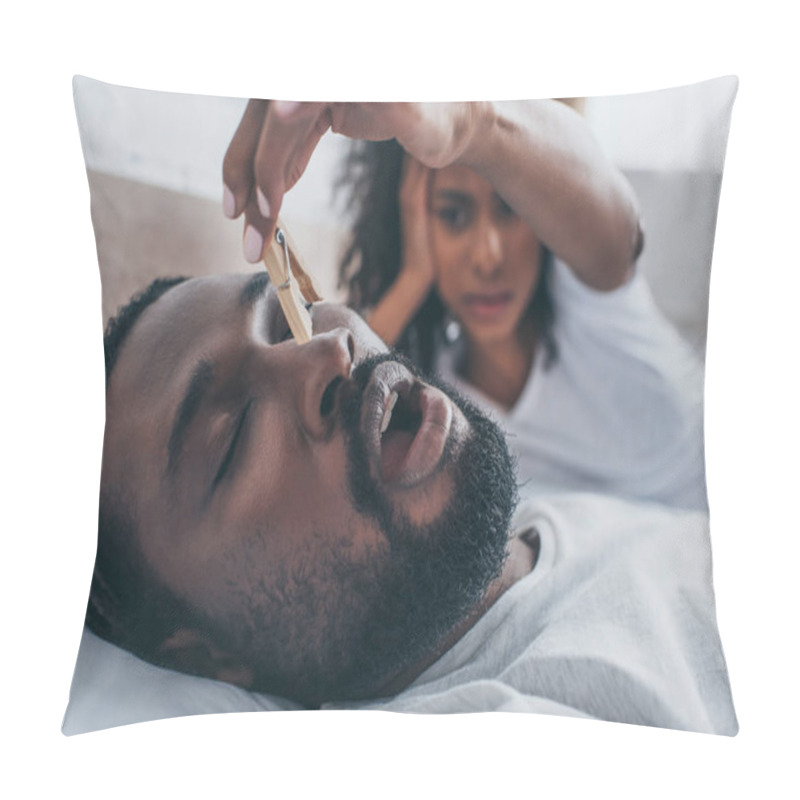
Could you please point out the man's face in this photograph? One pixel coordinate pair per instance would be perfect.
(265, 494)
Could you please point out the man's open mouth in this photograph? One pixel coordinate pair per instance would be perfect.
(406, 425)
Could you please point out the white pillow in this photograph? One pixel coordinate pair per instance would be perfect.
(112, 687)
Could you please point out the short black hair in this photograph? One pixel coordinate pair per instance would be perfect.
(119, 326)
(127, 606)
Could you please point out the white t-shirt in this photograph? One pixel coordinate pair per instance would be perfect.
(621, 409)
(617, 621)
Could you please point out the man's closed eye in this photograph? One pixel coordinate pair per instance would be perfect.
(236, 442)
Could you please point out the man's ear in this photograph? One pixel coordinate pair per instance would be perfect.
(189, 650)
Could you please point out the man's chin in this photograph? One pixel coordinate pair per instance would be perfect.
(440, 570)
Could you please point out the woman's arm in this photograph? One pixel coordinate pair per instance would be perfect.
(393, 312)
(539, 155)
(542, 159)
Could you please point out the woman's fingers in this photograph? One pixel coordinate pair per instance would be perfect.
(287, 139)
(414, 188)
(413, 184)
(306, 148)
(237, 166)
(257, 231)
(267, 155)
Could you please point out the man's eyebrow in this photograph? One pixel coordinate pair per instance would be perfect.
(201, 380)
(253, 289)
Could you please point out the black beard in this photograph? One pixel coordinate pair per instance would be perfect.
(436, 574)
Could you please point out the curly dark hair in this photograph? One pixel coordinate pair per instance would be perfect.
(371, 176)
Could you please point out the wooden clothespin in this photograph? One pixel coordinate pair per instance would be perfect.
(295, 287)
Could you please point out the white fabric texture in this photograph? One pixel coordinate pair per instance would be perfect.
(616, 622)
(621, 409)
(112, 687)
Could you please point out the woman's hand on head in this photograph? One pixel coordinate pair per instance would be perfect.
(394, 310)
(275, 140)
(417, 263)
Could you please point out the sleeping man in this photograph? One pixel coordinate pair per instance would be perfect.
(318, 526)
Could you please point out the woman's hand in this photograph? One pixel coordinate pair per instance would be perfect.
(275, 140)
(417, 257)
(391, 315)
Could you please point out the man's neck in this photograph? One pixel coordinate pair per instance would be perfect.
(523, 554)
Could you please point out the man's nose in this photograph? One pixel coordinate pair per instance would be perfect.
(319, 366)
(488, 251)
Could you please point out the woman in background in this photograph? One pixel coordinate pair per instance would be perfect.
(508, 220)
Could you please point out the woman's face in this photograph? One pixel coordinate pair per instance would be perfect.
(487, 258)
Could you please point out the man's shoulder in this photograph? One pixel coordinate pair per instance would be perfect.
(586, 520)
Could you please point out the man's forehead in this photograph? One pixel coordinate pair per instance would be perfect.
(184, 305)
(181, 322)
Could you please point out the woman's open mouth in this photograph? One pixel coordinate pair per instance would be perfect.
(488, 306)
(406, 424)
